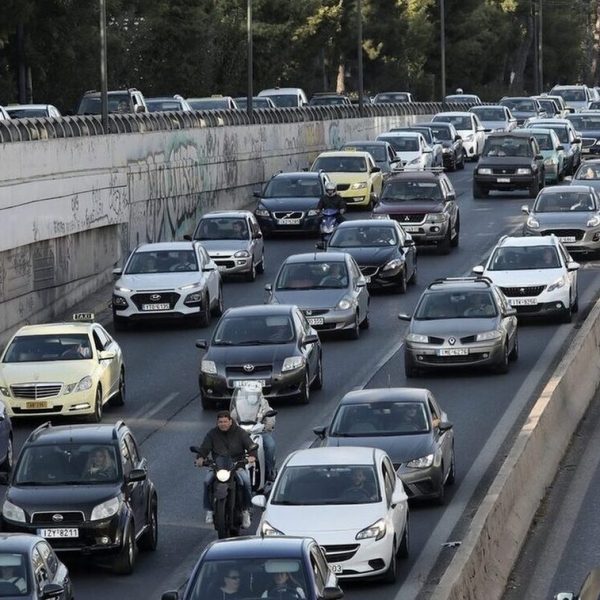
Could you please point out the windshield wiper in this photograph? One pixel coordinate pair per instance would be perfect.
(254, 343)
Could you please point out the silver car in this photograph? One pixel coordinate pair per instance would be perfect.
(329, 289)
(570, 212)
(234, 241)
(495, 117)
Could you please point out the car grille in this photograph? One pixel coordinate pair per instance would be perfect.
(38, 411)
(504, 171)
(286, 214)
(156, 298)
(369, 271)
(436, 340)
(342, 187)
(340, 552)
(468, 358)
(228, 264)
(68, 518)
(588, 142)
(36, 390)
(406, 219)
(516, 292)
(258, 370)
(576, 233)
(527, 309)
(313, 312)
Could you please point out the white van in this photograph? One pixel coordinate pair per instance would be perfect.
(286, 97)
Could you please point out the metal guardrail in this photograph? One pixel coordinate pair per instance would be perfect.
(26, 130)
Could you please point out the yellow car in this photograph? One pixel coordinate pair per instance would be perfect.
(357, 178)
(62, 369)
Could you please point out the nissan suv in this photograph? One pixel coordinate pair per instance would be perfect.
(121, 101)
(85, 488)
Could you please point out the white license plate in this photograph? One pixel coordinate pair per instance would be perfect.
(315, 320)
(503, 180)
(60, 532)
(240, 382)
(336, 568)
(288, 221)
(410, 229)
(221, 267)
(522, 301)
(163, 306)
(35, 404)
(453, 351)
(567, 239)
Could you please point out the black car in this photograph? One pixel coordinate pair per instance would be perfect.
(271, 344)
(453, 154)
(253, 568)
(523, 108)
(289, 202)
(30, 569)
(509, 161)
(587, 125)
(85, 488)
(383, 251)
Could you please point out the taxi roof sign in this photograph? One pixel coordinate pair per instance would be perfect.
(86, 317)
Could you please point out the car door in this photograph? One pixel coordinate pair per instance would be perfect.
(395, 515)
(508, 323)
(572, 275)
(450, 206)
(135, 491)
(114, 364)
(56, 571)
(41, 576)
(210, 273)
(309, 351)
(257, 239)
(358, 288)
(376, 178)
(105, 367)
(409, 253)
(444, 439)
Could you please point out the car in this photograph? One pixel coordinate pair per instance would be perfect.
(272, 344)
(469, 128)
(289, 202)
(6, 440)
(571, 212)
(126, 101)
(285, 97)
(86, 489)
(234, 242)
(587, 125)
(31, 111)
(495, 117)
(383, 154)
(392, 98)
(559, 101)
(383, 251)
(460, 321)
(409, 425)
(329, 99)
(594, 105)
(350, 500)
(437, 152)
(30, 569)
(551, 107)
(553, 152)
(588, 174)
(166, 280)
(453, 153)
(470, 99)
(215, 102)
(568, 137)
(576, 97)
(590, 588)
(355, 174)
(69, 369)
(411, 148)
(509, 161)
(536, 274)
(168, 103)
(4, 116)
(252, 564)
(329, 289)
(523, 108)
(424, 203)
(257, 102)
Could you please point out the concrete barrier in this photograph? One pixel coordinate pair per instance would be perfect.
(482, 565)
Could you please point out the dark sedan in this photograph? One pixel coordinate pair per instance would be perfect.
(523, 108)
(272, 344)
(409, 425)
(383, 251)
(453, 154)
(588, 127)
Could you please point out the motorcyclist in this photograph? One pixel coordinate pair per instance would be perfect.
(228, 439)
(332, 199)
(252, 394)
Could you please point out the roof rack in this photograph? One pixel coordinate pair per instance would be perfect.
(478, 279)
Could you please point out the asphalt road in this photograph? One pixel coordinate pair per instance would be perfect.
(163, 409)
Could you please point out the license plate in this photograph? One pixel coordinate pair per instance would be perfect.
(315, 320)
(503, 180)
(221, 267)
(453, 351)
(522, 301)
(62, 532)
(33, 405)
(240, 382)
(163, 306)
(585, 150)
(410, 229)
(567, 239)
(288, 221)
(336, 568)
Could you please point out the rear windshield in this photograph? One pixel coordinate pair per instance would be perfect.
(458, 122)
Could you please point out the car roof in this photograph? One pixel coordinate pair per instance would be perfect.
(522, 241)
(460, 283)
(518, 133)
(538, 120)
(409, 134)
(257, 547)
(456, 113)
(365, 223)
(373, 395)
(581, 187)
(17, 542)
(316, 257)
(56, 328)
(226, 214)
(255, 310)
(99, 433)
(484, 106)
(347, 455)
(162, 98)
(32, 106)
(369, 142)
(415, 176)
(157, 246)
(298, 174)
(344, 153)
(286, 90)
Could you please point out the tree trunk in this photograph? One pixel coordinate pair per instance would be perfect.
(340, 82)
(594, 75)
(519, 62)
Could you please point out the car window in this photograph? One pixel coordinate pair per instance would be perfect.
(49, 557)
(133, 450)
(433, 408)
(564, 254)
(102, 337)
(320, 577)
(319, 563)
(40, 572)
(389, 478)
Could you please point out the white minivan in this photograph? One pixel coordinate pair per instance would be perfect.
(286, 97)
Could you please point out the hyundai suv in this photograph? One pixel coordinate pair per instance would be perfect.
(85, 488)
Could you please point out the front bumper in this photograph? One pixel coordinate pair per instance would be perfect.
(421, 483)
(230, 265)
(575, 240)
(360, 197)
(427, 233)
(476, 354)
(506, 182)
(304, 224)
(75, 403)
(155, 305)
(329, 319)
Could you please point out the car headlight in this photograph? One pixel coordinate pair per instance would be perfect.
(13, 512)
(533, 223)
(484, 171)
(193, 298)
(524, 171)
(380, 216)
(107, 509)
(437, 217)
(313, 212)
(292, 362)
(344, 304)
(242, 254)
(208, 366)
(120, 288)
(4, 391)
(396, 263)
(418, 338)
(557, 284)
(488, 335)
(267, 530)
(594, 221)
(377, 531)
(415, 161)
(550, 162)
(421, 463)
(81, 386)
(261, 212)
(469, 138)
(358, 186)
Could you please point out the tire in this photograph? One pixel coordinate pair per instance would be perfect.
(575, 307)
(445, 246)
(452, 473)
(119, 323)
(441, 495)
(304, 397)
(404, 547)
(401, 287)
(251, 275)
(354, 333)
(461, 164)
(7, 465)
(514, 353)
(370, 203)
(534, 188)
(409, 368)
(502, 367)
(455, 240)
(567, 315)
(365, 323)
(149, 540)
(96, 416)
(391, 574)
(119, 398)
(218, 309)
(220, 519)
(479, 193)
(414, 277)
(317, 383)
(204, 316)
(124, 561)
(260, 267)
(206, 403)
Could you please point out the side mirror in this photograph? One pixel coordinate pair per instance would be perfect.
(409, 243)
(539, 157)
(478, 270)
(525, 209)
(320, 245)
(256, 194)
(52, 591)
(320, 431)
(445, 426)
(361, 281)
(561, 147)
(376, 170)
(209, 267)
(404, 317)
(117, 272)
(268, 287)
(137, 475)
(487, 130)
(450, 197)
(576, 141)
(457, 137)
(260, 501)
(106, 355)
(573, 266)
(511, 312)
(480, 129)
(140, 108)
(311, 338)
(202, 344)
(270, 413)
(398, 495)
(188, 238)
(258, 235)
(332, 593)
(172, 595)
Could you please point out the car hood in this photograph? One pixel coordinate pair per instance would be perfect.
(213, 247)
(369, 256)
(338, 178)
(408, 156)
(524, 114)
(232, 355)
(63, 371)
(408, 208)
(158, 281)
(454, 327)
(495, 124)
(503, 161)
(563, 219)
(289, 203)
(524, 278)
(326, 298)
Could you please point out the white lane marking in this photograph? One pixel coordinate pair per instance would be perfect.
(144, 413)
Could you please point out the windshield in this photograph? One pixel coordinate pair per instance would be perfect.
(411, 191)
(92, 105)
(162, 105)
(254, 331)
(285, 100)
(549, 106)
(257, 102)
(67, 464)
(561, 130)
(461, 98)
(544, 141)
(45, 348)
(228, 228)
(14, 575)
(26, 113)
(312, 276)
(379, 419)
(378, 153)
(507, 146)
(327, 101)
(317, 485)
(585, 122)
(588, 171)
(340, 164)
(397, 97)
(522, 258)
(370, 236)
(520, 104)
(209, 104)
(401, 144)
(490, 114)
(293, 187)
(566, 201)
(246, 400)
(456, 305)
(250, 579)
(162, 261)
(441, 133)
(460, 123)
(571, 95)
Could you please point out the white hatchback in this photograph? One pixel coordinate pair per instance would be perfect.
(536, 274)
(348, 499)
(469, 128)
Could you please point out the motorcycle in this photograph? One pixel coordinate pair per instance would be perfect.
(329, 221)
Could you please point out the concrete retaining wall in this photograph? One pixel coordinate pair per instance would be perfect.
(482, 565)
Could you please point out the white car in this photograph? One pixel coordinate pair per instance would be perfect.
(167, 279)
(30, 111)
(536, 274)
(411, 148)
(350, 500)
(470, 129)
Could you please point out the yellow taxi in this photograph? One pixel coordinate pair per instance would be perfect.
(70, 369)
(355, 174)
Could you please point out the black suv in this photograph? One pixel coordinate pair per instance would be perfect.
(509, 161)
(121, 101)
(85, 488)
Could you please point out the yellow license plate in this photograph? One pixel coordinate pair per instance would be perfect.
(34, 405)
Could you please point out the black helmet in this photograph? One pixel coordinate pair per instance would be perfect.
(330, 188)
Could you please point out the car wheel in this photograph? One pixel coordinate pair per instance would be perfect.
(502, 367)
(463, 160)
(456, 238)
(304, 397)
(370, 203)
(441, 495)
(514, 353)
(207, 404)
(401, 287)
(452, 472)
(479, 193)
(119, 323)
(567, 314)
(218, 309)
(96, 416)
(7, 465)
(409, 367)
(445, 245)
(149, 541)
(414, 277)
(124, 561)
(354, 333)
(251, 275)
(204, 316)
(534, 188)
(365, 323)
(390, 575)
(260, 267)
(575, 306)
(119, 397)
(403, 549)
(317, 383)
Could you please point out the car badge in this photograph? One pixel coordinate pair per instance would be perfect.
(452, 341)
(155, 297)
(248, 368)
(407, 218)
(504, 170)
(522, 290)
(57, 518)
(308, 312)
